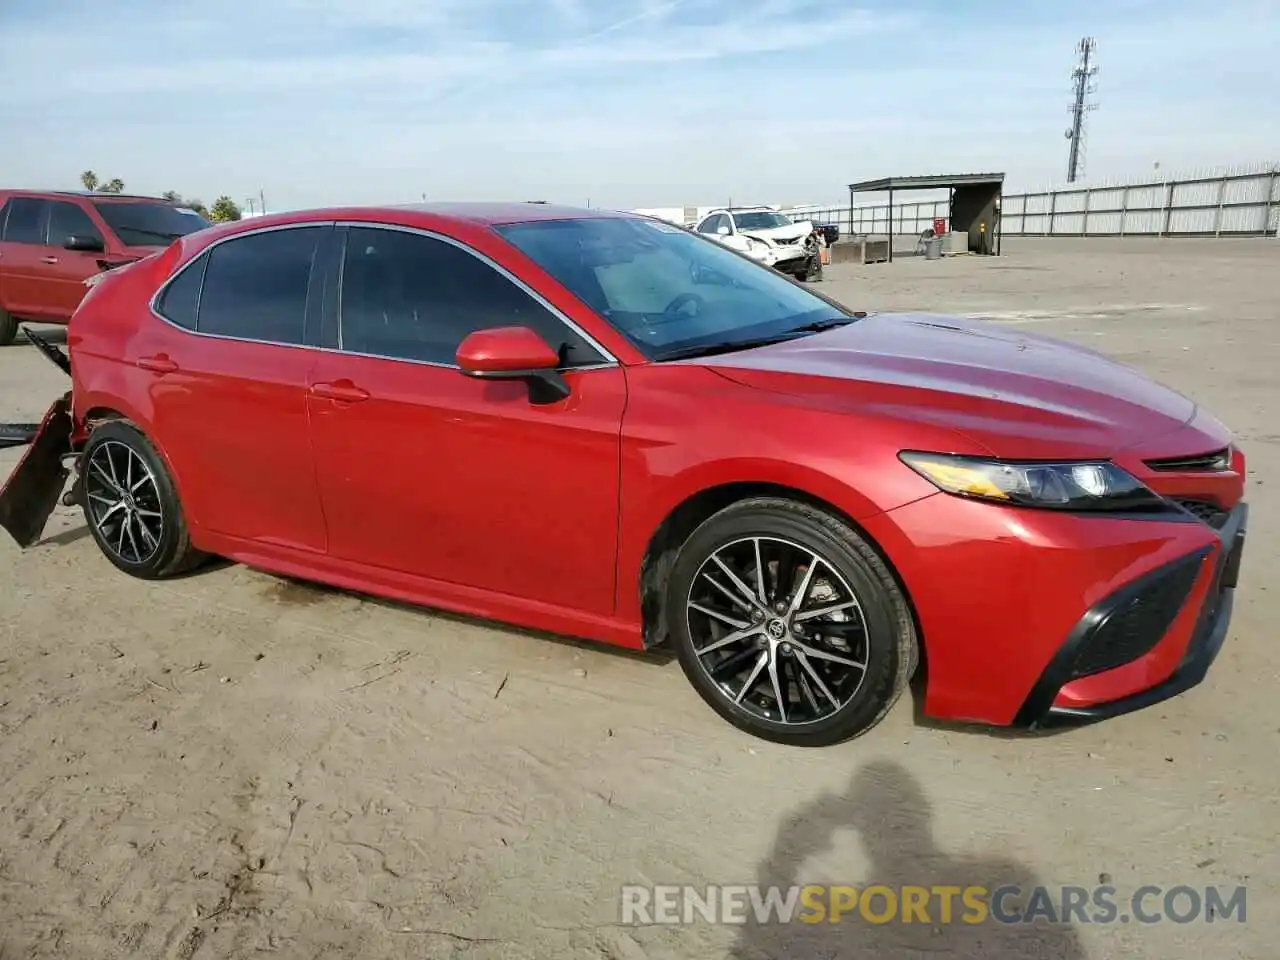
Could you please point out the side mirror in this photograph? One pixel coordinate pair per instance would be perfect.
(513, 353)
(83, 243)
(722, 231)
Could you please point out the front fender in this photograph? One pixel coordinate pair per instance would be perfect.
(643, 517)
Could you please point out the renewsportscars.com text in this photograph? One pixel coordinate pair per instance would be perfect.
(933, 904)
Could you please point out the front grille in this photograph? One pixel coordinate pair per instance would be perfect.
(1213, 462)
(784, 241)
(1135, 627)
(1205, 510)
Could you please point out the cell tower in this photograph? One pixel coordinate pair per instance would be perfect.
(1082, 86)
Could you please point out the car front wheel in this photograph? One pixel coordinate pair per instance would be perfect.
(789, 624)
(131, 505)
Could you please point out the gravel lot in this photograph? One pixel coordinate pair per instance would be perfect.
(232, 764)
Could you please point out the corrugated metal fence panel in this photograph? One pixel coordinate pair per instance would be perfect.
(1148, 196)
(1011, 224)
(1253, 190)
(1068, 223)
(1275, 189)
(1250, 219)
(1112, 199)
(1196, 194)
(1143, 221)
(1015, 205)
(1035, 224)
(1069, 202)
(1192, 221)
(1104, 223)
(1037, 203)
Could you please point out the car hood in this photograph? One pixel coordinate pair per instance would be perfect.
(1014, 393)
(788, 233)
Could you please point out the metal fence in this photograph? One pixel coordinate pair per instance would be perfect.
(1239, 201)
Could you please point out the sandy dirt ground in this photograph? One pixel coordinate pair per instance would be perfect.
(234, 765)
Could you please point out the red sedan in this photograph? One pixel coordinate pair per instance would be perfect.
(602, 425)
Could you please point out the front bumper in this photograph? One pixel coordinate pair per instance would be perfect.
(1050, 701)
(1023, 615)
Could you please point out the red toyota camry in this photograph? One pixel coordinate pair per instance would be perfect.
(602, 425)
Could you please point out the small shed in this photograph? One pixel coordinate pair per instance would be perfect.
(974, 206)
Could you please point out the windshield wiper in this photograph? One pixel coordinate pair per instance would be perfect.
(151, 233)
(726, 346)
(817, 326)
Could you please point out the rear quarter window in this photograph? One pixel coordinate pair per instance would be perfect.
(181, 298)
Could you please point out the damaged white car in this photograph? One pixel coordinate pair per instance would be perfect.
(766, 236)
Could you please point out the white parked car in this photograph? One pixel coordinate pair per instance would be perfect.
(764, 235)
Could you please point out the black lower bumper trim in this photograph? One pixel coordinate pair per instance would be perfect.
(1207, 638)
(31, 493)
(17, 434)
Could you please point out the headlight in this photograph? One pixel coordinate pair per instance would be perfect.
(1087, 485)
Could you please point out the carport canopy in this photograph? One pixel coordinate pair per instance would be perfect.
(974, 200)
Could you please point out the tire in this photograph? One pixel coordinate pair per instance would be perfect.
(882, 637)
(152, 542)
(8, 327)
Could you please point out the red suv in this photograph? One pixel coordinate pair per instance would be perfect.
(51, 242)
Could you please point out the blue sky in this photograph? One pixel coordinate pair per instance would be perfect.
(623, 102)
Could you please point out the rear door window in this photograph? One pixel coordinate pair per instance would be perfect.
(255, 286)
(24, 222)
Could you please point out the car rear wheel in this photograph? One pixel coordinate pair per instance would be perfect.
(8, 327)
(131, 505)
(789, 624)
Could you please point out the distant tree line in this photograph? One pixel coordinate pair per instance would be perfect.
(222, 210)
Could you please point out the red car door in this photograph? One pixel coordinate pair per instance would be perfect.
(65, 271)
(22, 251)
(228, 386)
(426, 471)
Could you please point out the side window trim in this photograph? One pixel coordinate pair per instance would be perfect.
(607, 359)
(46, 214)
(330, 257)
(202, 258)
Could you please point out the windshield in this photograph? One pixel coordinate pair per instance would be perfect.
(141, 224)
(669, 291)
(760, 220)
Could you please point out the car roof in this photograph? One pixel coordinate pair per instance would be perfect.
(424, 215)
(483, 213)
(85, 194)
(493, 213)
(760, 209)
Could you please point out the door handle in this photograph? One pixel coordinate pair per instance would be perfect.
(343, 390)
(48, 259)
(157, 364)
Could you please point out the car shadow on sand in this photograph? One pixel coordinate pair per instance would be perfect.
(887, 809)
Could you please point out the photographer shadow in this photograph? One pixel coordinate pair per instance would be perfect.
(891, 815)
